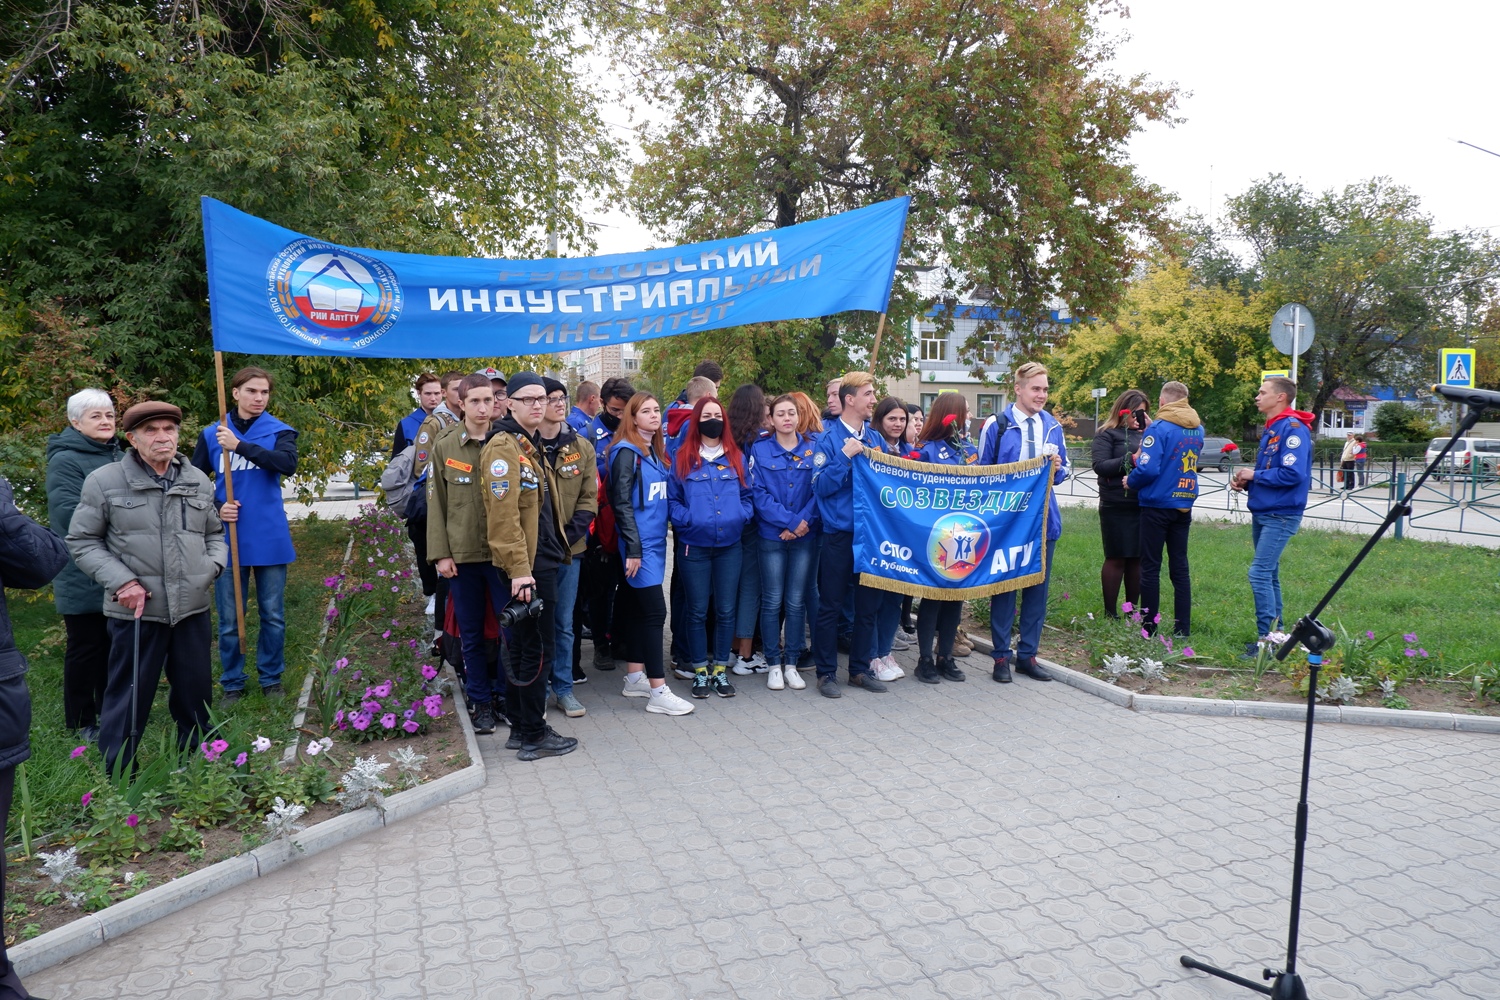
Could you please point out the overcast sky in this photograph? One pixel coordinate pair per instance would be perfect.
(1327, 92)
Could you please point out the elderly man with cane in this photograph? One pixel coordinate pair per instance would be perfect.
(146, 530)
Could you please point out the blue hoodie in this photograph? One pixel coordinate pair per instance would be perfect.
(832, 475)
(1166, 475)
(1283, 465)
(709, 506)
(781, 485)
(1002, 449)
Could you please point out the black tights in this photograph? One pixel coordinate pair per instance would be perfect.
(1115, 572)
(940, 617)
(640, 614)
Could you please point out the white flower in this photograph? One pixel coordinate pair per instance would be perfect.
(314, 748)
(1276, 638)
(326, 743)
(261, 744)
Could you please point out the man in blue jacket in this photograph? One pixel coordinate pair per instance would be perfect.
(1164, 474)
(1278, 494)
(585, 409)
(847, 435)
(429, 395)
(1025, 430)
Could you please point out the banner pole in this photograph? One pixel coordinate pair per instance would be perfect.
(234, 533)
(875, 351)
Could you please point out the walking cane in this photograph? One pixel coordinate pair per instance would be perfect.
(135, 683)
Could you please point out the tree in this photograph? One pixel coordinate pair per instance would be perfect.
(1002, 120)
(1170, 326)
(1386, 289)
(453, 128)
(1399, 422)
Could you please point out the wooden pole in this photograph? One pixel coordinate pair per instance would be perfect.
(875, 351)
(234, 528)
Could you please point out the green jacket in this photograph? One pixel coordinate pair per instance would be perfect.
(71, 456)
(455, 499)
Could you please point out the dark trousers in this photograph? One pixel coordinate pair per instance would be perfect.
(10, 983)
(641, 613)
(183, 651)
(940, 618)
(85, 669)
(836, 580)
(528, 659)
(475, 585)
(1166, 526)
(602, 573)
(416, 530)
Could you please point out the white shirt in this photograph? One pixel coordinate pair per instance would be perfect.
(1032, 439)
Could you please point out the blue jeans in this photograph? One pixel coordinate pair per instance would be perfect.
(705, 569)
(1033, 613)
(887, 620)
(784, 568)
(562, 613)
(1269, 533)
(475, 585)
(747, 610)
(270, 648)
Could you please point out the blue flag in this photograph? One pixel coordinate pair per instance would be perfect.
(950, 532)
(274, 291)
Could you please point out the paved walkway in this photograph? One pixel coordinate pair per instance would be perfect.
(965, 840)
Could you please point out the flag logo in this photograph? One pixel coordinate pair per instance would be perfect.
(328, 294)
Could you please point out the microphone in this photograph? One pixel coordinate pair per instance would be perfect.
(1479, 399)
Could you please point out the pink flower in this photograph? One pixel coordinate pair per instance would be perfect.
(428, 671)
(132, 821)
(388, 720)
(1127, 607)
(1188, 651)
(219, 746)
(240, 760)
(78, 752)
(386, 634)
(87, 798)
(1145, 634)
(410, 726)
(383, 689)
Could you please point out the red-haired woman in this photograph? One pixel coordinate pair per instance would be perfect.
(708, 500)
(945, 441)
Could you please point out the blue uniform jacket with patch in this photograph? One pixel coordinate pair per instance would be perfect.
(1283, 465)
(1002, 449)
(781, 486)
(710, 505)
(1166, 474)
(832, 475)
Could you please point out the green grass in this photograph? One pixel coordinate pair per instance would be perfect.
(56, 781)
(1448, 595)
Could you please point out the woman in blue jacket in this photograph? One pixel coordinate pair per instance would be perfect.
(638, 493)
(890, 422)
(944, 441)
(708, 500)
(781, 468)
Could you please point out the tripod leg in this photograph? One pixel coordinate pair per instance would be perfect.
(1249, 984)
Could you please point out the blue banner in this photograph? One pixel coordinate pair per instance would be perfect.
(950, 532)
(274, 291)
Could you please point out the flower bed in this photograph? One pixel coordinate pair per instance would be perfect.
(239, 788)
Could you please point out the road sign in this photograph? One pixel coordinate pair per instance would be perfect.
(1275, 373)
(1456, 367)
(1292, 329)
(1099, 393)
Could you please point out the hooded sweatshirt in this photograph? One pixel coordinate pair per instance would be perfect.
(1166, 472)
(1283, 465)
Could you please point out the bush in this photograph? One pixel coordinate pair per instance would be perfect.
(1399, 422)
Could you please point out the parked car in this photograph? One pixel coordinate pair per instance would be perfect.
(1219, 453)
(1467, 454)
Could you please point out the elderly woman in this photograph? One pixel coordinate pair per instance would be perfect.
(71, 455)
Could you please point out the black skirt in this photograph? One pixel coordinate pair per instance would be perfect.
(1120, 528)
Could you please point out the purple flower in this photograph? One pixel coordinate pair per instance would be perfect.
(367, 586)
(395, 590)
(1422, 653)
(338, 718)
(79, 752)
(1369, 635)
(410, 713)
(1145, 634)
(1410, 637)
(333, 612)
(132, 821)
(361, 721)
(87, 798)
(410, 726)
(388, 720)
(371, 706)
(380, 572)
(395, 623)
(330, 581)
(240, 760)
(1411, 652)
(1156, 620)
(1066, 595)
(383, 689)
(340, 663)
(428, 671)
(1188, 651)
(1127, 607)
(386, 634)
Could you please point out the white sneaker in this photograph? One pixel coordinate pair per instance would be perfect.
(637, 689)
(753, 665)
(431, 603)
(792, 677)
(901, 643)
(775, 681)
(886, 669)
(664, 702)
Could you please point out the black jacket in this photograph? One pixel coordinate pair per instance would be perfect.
(30, 556)
(1111, 447)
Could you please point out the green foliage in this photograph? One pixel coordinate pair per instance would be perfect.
(1004, 122)
(118, 830)
(206, 793)
(1399, 422)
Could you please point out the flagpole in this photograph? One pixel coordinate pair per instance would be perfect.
(875, 351)
(234, 534)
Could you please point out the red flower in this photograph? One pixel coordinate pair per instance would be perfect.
(948, 420)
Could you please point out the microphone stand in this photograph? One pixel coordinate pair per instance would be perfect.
(1319, 639)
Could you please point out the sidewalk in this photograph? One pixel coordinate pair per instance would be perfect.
(959, 840)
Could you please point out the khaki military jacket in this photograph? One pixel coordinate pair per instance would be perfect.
(455, 505)
(515, 473)
(577, 482)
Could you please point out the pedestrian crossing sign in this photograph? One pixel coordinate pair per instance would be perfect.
(1456, 367)
(1275, 373)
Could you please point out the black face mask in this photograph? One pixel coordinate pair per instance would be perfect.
(711, 428)
(609, 420)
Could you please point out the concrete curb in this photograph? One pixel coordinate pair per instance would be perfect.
(1286, 710)
(94, 929)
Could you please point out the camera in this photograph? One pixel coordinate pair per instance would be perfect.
(513, 613)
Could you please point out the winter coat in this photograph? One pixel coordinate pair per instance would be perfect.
(71, 456)
(30, 555)
(1166, 474)
(171, 541)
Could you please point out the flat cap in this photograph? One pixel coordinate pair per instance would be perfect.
(150, 410)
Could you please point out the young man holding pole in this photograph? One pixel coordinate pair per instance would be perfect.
(257, 450)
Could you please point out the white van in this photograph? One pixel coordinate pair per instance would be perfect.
(1466, 454)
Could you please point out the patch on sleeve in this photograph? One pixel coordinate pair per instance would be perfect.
(1145, 460)
(499, 468)
(423, 437)
(820, 459)
(421, 457)
(1294, 442)
(499, 487)
(1289, 460)
(1148, 441)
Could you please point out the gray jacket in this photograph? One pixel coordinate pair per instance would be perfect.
(126, 527)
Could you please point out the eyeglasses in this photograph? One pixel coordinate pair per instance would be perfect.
(557, 399)
(529, 400)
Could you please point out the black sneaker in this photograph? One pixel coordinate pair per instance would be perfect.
(484, 720)
(950, 670)
(502, 717)
(552, 744)
(272, 691)
(926, 671)
(701, 684)
(867, 681)
(603, 658)
(514, 741)
(579, 677)
(720, 684)
(230, 697)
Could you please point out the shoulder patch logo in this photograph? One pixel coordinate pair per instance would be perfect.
(499, 467)
(820, 460)
(499, 487)
(1294, 442)
(1289, 459)
(1147, 441)
(1145, 460)
(454, 463)
(423, 438)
